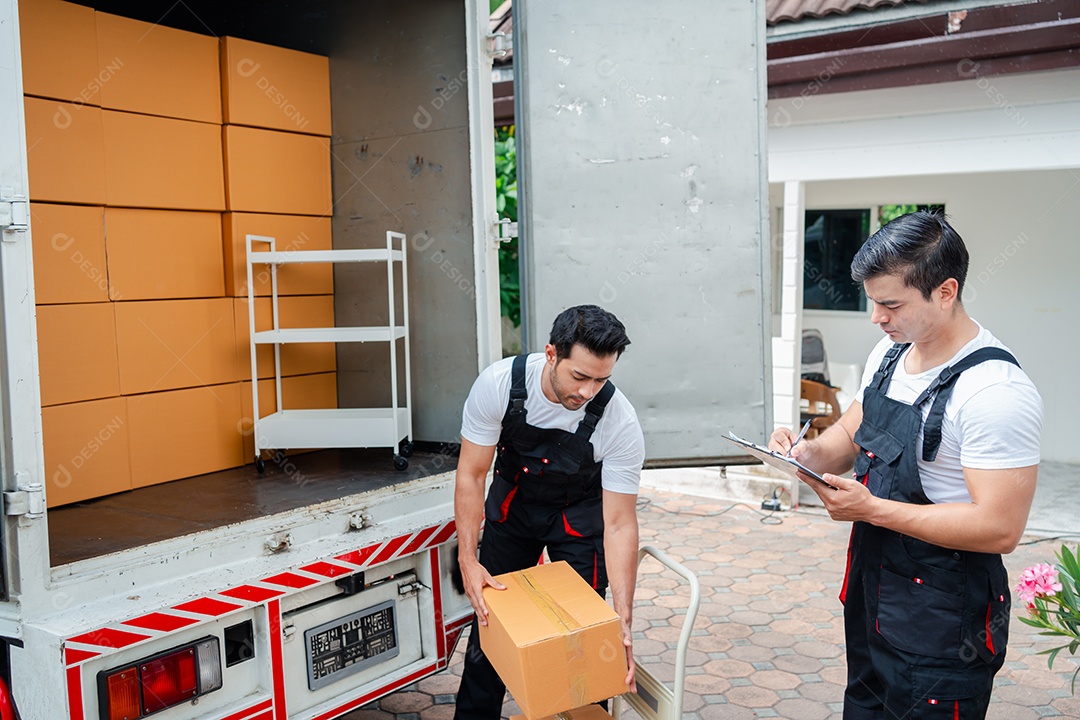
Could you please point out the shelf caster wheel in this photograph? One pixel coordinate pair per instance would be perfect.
(260, 465)
(400, 463)
(407, 449)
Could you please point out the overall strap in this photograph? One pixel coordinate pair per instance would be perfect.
(942, 386)
(594, 411)
(883, 376)
(515, 409)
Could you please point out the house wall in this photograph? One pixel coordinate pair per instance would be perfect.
(1025, 247)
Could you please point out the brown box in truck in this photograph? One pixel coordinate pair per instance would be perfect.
(276, 88)
(69, 254)
(154, 162)
(182, 433)
(163, 254)
(86, 450)
(296, 358)
(291, 232)
(162, 71)
(64, 152)
(553, 640)
(268, 171)
(77, 353)
(168, 344)
(59, 52)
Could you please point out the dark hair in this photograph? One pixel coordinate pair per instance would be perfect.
(590, 326)
(921, 246)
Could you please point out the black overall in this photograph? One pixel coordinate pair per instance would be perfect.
(925, 626)
(545, 493)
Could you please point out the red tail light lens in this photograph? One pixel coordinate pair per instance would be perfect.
(160, 681)
(168, 680)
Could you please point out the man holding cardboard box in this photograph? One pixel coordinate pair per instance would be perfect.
(566, 478)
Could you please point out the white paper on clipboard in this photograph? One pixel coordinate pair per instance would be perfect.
(783, 463)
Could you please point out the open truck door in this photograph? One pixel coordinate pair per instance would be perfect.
(642, 170)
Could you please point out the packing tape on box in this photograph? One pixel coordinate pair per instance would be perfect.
(552, 610)
(557, 614)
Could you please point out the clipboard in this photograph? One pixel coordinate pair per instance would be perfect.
(783, 463)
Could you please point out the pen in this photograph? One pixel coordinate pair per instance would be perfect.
(802, 433)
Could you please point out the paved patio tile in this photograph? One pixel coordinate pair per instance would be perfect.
(768, 640)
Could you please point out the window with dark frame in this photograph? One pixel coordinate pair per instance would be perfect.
(832, 238)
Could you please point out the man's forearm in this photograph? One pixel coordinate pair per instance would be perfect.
(833, 451)
(957, 526)
(620, 550)
(468, 514)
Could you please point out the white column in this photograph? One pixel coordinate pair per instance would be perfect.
(787, 349)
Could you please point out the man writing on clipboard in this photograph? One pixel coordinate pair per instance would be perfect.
(944, 440)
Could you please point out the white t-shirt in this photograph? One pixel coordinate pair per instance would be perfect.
(992, 421)
(617, 439)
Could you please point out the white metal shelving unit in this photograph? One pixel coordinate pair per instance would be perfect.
(333, 427)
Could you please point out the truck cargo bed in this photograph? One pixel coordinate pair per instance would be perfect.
(170, 510)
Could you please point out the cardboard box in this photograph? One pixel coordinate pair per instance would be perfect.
(301, 392)
(292, 232)
(554, 642)
(183, 433)
(59, 52)
(272, 87)
(296, 358)
(153, 162)
(86, 450)
(163, 71)
(589, 712)
(64, 152)
(168, 344)
(267, 171)
(69, 254)
(77, 353)
(162, 254)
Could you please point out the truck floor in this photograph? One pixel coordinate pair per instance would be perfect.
(160, 512)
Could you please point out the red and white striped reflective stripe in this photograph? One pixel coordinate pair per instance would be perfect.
(151, 626)
(260, 711)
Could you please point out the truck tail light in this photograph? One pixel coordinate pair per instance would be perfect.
(160, 681)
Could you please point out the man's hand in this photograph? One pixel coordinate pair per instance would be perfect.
(850, 501)
(475, 578)
(781, 440)
(628, 642)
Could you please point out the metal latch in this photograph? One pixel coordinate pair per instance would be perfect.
(499, 45)
(505, 230)
(14, 216)
(409, 588)
(360, 520)
(27, 501)
(279, 542)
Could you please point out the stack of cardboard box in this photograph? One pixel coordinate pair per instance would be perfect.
(140, 199)
(276, 105)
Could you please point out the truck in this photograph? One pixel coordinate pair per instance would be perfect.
(326, 583)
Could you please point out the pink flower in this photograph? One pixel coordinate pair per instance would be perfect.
(1037, 581)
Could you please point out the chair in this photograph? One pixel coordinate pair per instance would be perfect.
(815, 362)
(822, 408)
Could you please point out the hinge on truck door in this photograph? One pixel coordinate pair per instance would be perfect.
(14, 214)
(499, 45)
(505, 230)
(28, 500)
